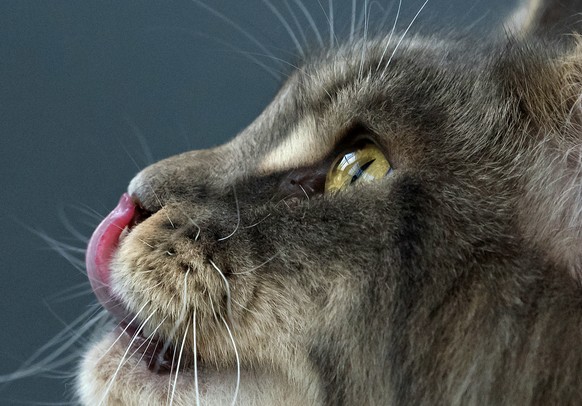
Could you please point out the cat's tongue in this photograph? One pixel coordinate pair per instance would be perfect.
(103, 243)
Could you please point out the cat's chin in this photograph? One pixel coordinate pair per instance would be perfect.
(110, 375)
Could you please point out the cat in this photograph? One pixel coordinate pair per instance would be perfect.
(401, 225)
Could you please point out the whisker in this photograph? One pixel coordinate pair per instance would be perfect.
(122, 332)
(68, 330)
(148, 340)
(161, 205)
(227, 289)
(364, 43)
(250, 55)
(81, 293)
(63, 249)
(304, 192)
(296, 21)
(194, 224)
(195, 359)
(30, 368)
(331, 23)
(178, 366)
(92, 312)
(70, 228)
(142, 141)
(67, 290)
(237, 27)
(90, 212)
(123, 359)
(310, 20)
(256, 267)
(331, 33)
(212, 307)
(258, 222)
(237, 361)
(390, 36)
(404, 34)
(290, 31)
(353, 21)
(130, 156)
(237, 217)
(139, 239)
(245, 308)
(178, 323)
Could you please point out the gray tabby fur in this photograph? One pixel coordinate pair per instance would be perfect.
(454, 280)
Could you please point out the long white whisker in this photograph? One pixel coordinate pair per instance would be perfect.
(353, 22)
(49, 361)
(258, 222)
(245, 308)
(94, 311)
(237, 217)
(179, 361)
(365, 41)
(63, 249)
(331, 23)
(181, 318)
(161, 205)
(237, 361)
(148, 340)
(290, 31)
(80, 293)
(123, 359)
(194, 224)
(404, 34)
(151, 335)
(226, 287)
(296, 21)
(212, 307)
(70, 228)
(123, 332)
(70, 289)
(90, 212)
(31, 367)
(391, 33)
(257, 267)
(237, 27)
(250, 55)
(195, 359)
(311, 21)
(142, 140)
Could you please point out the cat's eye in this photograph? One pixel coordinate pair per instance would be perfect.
(363, 163)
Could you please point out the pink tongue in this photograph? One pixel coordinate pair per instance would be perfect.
(103, 243)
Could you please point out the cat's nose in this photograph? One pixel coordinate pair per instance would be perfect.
(140, 213)
(144, 195)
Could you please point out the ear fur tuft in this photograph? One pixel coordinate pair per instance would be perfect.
(552, 205)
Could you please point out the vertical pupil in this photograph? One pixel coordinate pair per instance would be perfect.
(361, 170)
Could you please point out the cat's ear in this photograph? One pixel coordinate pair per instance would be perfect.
(546, 83)
(546, 17)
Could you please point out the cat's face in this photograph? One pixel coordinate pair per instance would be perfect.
(349, 240)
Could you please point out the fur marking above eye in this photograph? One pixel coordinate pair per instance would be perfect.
(304, 146)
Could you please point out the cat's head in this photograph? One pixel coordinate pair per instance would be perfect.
(368, 229)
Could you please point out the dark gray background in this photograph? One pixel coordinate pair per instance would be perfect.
(90, 92)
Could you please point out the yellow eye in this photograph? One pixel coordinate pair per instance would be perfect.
(363, 164)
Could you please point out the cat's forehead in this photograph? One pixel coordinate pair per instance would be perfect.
(357, 83)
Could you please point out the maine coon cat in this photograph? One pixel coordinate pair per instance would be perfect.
(401, 225)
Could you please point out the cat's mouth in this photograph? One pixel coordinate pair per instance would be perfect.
(157, 353)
